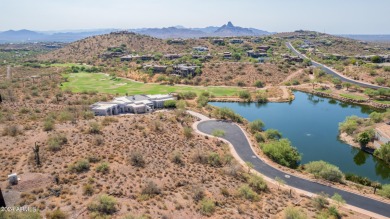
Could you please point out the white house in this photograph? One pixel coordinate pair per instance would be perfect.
(130, 104)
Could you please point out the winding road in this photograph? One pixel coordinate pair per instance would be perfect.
(330, 71)
(236, 136)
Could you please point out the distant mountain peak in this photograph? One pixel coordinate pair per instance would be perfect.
(230, 24)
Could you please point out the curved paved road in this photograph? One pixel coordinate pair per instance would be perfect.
(237, 138)
(333, 72)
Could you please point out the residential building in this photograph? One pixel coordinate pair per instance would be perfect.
(254, 54)
(236, 41)
(263, 48)
(155, 68)
(172, 56)
(200, 48)
(227, 55)
(184, 70)
(130, 104)
(218, 41)
(126, 58)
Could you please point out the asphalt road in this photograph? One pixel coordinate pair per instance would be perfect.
(332, 72)
(237, 138)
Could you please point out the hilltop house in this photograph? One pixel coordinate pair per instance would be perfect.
(200, 48)
(155, 68)
(130, 104)
(184, 70)
(263, 48)
(382, 135)
(172, 56)
(236, 41)
(254, 54)
(227, 55)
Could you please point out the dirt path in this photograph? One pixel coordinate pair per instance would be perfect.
(291, 76)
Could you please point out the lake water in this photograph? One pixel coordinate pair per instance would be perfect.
(311, 124)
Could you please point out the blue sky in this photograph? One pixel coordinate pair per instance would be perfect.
(331, 16)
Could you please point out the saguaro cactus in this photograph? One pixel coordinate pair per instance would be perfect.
(36, 153)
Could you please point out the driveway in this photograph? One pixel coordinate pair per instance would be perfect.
(235, 135)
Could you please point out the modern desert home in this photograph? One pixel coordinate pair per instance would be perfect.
(130, 104)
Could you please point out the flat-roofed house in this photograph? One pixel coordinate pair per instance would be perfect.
(382, 134)
(200, 48)
(130, 104)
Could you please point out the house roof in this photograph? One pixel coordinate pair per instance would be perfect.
(384, 129)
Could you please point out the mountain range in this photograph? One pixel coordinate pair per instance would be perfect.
(227, 30)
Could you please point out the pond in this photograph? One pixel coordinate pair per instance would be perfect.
(311, 124)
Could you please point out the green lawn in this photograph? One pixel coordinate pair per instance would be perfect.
(353, 96)
(328, 91)
(79, 82)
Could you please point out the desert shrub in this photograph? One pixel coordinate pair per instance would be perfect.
(218, 133)
(234, 170)
(88, 189)
(377, 117)
(137, 159)
(94, 128)
(349, 125)
(334, 212)
(48, 124)
(181, 104)
(256, 126)
(103, 168)
(187, 132)
(151, 189)
(240, 83)
(358, 179)
(257, 183)
(383, 153)
(259, 137)
(386, 68)
(244, 94)
(108, 120)
(259, 84)
(56, 214)
(80, 166)
(338, 199)
(385, 191)
(226, 113)
(320, 201)
(214, 160)
(19, 215)
(246, 192)
(282, 153)
(177, 158)
(88, 115)
(294, 213)
(103, 205)
(65, 116)
(170, 104)
(98, 140)
(272, 134)
(198, 193)
(202, 101)
(324, 170)
(188, 95)
(207, 207)
(11, 130)
(200, 157)
(364, 137)
(56, 141)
